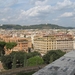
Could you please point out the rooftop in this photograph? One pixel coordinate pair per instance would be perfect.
(62, 66)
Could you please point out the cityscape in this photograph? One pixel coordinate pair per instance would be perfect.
(37, 42)
(37, 37)
(40, 40)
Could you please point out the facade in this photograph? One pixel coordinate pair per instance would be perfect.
(74, 43)
(22, 43)
(62, 66)
(44, 44)
(63, 42)
(65, 45)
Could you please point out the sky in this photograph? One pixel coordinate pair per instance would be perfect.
(30, 12)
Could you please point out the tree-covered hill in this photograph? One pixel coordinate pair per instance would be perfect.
(39, 26)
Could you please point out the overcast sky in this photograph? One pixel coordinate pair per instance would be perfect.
(28, 12)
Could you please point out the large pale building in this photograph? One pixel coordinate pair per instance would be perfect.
(45, 43)
(63, 42)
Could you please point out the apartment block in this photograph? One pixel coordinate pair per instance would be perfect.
(64, 42)
(45, 43)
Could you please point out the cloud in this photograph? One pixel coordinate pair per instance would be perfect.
(39, 2)
(7, 3)
(4, 20)
(37, 11)
(64, 4)
(40, 12)
(67, 14)
(56, 19)
(4, 10)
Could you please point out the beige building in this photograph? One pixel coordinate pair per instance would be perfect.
(74, 43)
(63, 42)
(65, 45)
(44, 44)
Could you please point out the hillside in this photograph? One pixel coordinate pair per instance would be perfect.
(40, 26)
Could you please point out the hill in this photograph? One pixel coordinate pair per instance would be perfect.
(39, 26)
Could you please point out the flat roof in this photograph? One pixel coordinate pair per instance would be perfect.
(62, 66)
(70, 54)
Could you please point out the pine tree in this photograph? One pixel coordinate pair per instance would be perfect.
(14, 62)
(25, 60)
(51, 58)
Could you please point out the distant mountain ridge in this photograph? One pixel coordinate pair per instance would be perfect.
(39, 26)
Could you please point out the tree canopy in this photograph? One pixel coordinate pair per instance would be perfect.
(33, 61)
(2, 45)
(32, 54)
(39, 26)
(10, 45)
(17, 59)
(52, 55)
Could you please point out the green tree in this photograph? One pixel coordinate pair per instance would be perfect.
(52, 55)
(6, 61)
(33, 61)
(20, 58)
(14, 57)
(10, 45)
(25, 59)
(51, 58)
(14, 62)
(32, 54)
(2, 50)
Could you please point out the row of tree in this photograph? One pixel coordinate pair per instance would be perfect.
(39, 26)
(22, 59)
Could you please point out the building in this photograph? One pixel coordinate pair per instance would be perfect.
(62, 66)
(45, 43)
(74, 43)
(64, 42)
(23, 44)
